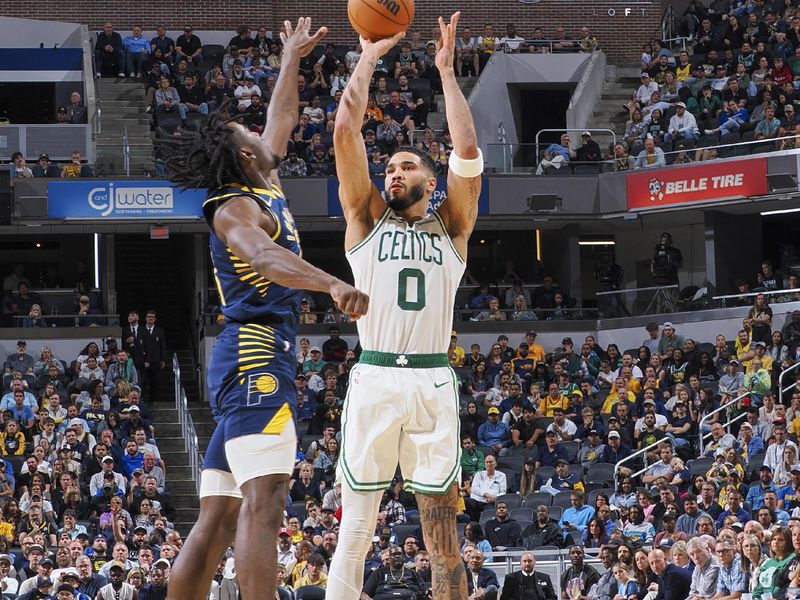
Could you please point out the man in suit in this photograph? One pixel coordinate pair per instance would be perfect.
(672, 582)
(154, 344)
(132, 340)
(527, 584)
(481, 582)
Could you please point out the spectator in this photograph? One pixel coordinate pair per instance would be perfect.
(650, 156)
(76, 111)
(19, 168)
(578, 578)
(682, 125)
(577, 516)
(137, 49)
(502, 530)
(769, 126)
(589, 150)
(706, 571)
(386, 578)
(189, 47)
(166, 97)
(192, 98)
(557, 155)
(76, 168)
(292, 166)
(44, 168)
(486, 486)
(108, 51)
(481, 582)
(673, 581)
(467, 54)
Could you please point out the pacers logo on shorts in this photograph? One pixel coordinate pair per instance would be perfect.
(259, 387)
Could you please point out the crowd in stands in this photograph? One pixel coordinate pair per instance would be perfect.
(85, 510)
(44, 167)
(186, 80)
(23, 306)
(543, 434)
(738, 81)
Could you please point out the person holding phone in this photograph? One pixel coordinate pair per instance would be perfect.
(75, 168)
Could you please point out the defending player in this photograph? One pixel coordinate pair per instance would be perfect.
(255, 250)
(402, 404)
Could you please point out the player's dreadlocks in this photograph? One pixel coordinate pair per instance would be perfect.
(205, 158)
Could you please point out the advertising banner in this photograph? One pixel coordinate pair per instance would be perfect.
(708, 181)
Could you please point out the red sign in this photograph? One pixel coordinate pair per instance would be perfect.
(654, 188)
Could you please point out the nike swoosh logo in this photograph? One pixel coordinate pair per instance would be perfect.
(438, 385)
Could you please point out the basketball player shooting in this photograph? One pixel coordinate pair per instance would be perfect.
(402, 404)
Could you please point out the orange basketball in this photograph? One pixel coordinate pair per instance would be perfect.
(378, 19)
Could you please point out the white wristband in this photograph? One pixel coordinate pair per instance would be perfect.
(471, 167)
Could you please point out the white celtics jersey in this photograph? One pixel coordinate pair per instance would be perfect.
(411, 273)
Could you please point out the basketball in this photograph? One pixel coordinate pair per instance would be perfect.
(378, 19)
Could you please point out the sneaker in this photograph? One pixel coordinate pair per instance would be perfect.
(98, 75)
(138, 76)
(708, 131)
(121, 74)
(149, 109)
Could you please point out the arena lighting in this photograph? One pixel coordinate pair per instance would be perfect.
(96, 260)
(782, 211)
(597, 243)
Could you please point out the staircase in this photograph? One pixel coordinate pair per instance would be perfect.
(436, 120)
(621, 83)
(122, 107)
(171, 445)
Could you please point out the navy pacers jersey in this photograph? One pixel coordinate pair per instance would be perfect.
(252, 367)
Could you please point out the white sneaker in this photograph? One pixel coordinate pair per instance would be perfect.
(121, 74)
(98, 75)
(709, 132)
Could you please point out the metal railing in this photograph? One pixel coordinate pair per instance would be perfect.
(576, 132)
(126, 152)
(636, 454)
(548, 46)
(70, 320)
(727, 425)
(781, 389)
(188, 431)
(662, 297)
(722, 299)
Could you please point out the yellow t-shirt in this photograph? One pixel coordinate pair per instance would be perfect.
(766, 363)
(612, 399)
(682, 73)
(549, 404)
(323, 581)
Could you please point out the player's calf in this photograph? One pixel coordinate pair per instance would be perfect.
(438, 518)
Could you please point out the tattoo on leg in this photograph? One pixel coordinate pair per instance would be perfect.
(438, 517)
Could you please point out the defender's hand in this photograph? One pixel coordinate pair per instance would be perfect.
(300, 40)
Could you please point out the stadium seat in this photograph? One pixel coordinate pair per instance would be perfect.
(285, 594)
(728, 149)
(213, 52)
(309, 592)
(168, 121)
(707, 141)
(512, 500)
(572, 450)
(602, 472)
(576, 470)
(460, 530)
(586, 169)
(555, 512)
(487, 515)
(513, 462)
(574, 538)
(591, 497)
(546, 473)
(401, 532)
(523, 514)
(700, 466)
(298, 508)
(562, 500)
(555, 553)
(537, 498)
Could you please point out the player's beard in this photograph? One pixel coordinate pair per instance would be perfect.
(401, 202)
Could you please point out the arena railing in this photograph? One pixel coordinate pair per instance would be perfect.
(573, 47)
(552, 562)
(782, 390)
(773, 295)
(72, 320)
(662, 296)
(638, 453)
(188, 431)
(573, 133)
(704, 436)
